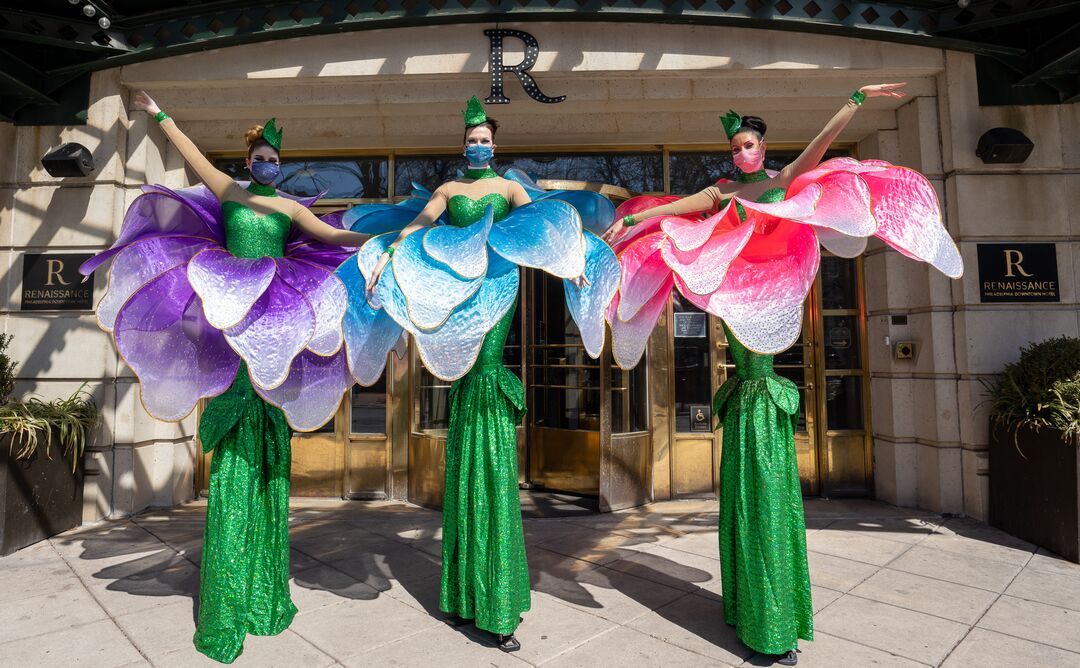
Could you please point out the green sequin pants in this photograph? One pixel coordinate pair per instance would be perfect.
(244, 578)
(485, 576)
(764, 574)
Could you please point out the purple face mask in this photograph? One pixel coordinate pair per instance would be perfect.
(265, 172)
(749, 160)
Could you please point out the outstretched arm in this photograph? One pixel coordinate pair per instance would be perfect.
(705, 200)
(216, 180)
(427, 216)
(324, 232)
(812, 154)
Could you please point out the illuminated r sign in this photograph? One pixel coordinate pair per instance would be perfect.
(521, 70)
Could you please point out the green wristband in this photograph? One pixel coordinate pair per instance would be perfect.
(160, 116)
(628, 220)
(858, 97)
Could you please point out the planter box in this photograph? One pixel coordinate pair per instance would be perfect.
(39, 497)
(1036, 495)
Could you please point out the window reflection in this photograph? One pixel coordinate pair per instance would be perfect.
(693, 171)
(565, 381)
(839, 283)
(693, 379)
(843, 401)
(350, 178)
(629, 398)
(638, 172)
(368, 408)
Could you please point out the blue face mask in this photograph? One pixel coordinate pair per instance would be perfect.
(479, 155)
(265, 172)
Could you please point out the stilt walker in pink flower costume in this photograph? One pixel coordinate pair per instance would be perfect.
(750, 256)
(228, 293)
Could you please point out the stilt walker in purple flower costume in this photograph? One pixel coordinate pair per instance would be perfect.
(228, 293)
(451, 281)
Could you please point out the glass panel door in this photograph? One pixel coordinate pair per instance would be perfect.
(564, 393)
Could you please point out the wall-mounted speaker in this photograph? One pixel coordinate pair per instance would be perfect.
(1004, 145)
(69, 159)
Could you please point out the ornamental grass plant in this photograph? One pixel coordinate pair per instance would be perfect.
(1041, 390)
(33, 423)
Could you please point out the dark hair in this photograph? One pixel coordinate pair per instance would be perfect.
(752, 124)
(254, 140)
(490, 123)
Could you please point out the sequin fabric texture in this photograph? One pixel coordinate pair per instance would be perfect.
(485, 575)
(244, 576)
(763, 566)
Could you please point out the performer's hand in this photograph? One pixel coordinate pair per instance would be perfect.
(146, 103)
(884, 90)
(612, 234)
(384, 259)
(580, 281)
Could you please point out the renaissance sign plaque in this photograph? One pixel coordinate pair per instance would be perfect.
(1018, 273)
(52, 282)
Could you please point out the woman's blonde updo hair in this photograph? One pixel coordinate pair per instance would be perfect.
(254, 139)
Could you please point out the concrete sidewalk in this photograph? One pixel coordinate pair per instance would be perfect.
(892, 587)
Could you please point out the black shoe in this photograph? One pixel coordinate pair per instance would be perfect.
(788, 659)
(508, 643)
(457, 620)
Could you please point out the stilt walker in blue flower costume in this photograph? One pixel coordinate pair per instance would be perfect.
(451, 281)
(228, 293)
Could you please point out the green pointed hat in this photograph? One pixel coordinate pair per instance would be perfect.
(474, 113)
(272, 134)
(732, 121)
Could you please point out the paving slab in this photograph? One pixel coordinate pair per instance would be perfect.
(285, 650)
(989, 574)
(1061, 590)
(48, 613)
(551, 628)
(626, 647)
(673, 568)
(829, 651)
(439, 647)
(855, 546)
(696, 624)
(837, 573)
(95, 645)
(983, 647)
(900, 529)
(913, 635)
(922, 594)
(1046, 624)
(613, 595)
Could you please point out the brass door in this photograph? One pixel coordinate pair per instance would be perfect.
(564, 393)
(375, 457)
(843, 396)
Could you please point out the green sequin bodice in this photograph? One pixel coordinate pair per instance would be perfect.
(247, 234)
(465, 211)
(748, 364)
(770, 196)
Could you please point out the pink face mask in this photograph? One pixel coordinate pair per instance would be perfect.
(749, 159)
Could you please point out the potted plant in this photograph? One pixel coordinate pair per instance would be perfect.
(41, 449)
(1035, 447)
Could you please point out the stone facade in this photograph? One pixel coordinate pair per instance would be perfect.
(627, 85)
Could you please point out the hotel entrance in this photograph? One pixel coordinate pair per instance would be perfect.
(617, 437)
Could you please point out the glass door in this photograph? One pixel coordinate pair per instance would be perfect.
(564, 392)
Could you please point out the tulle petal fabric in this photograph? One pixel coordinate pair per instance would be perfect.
(328, 299)
(588, 303)
(184, 310)
(370, 333)
(278, 326)
(544, 235)
(643, 273)
(432, 290)
(438, 289)
(628, 337)
(312, 391)
(755, 273)
(463, 249)
(229, 285)
(139, 263)
(178, 356)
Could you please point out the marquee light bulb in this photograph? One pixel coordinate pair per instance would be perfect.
(89, 10)
(104, 23)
